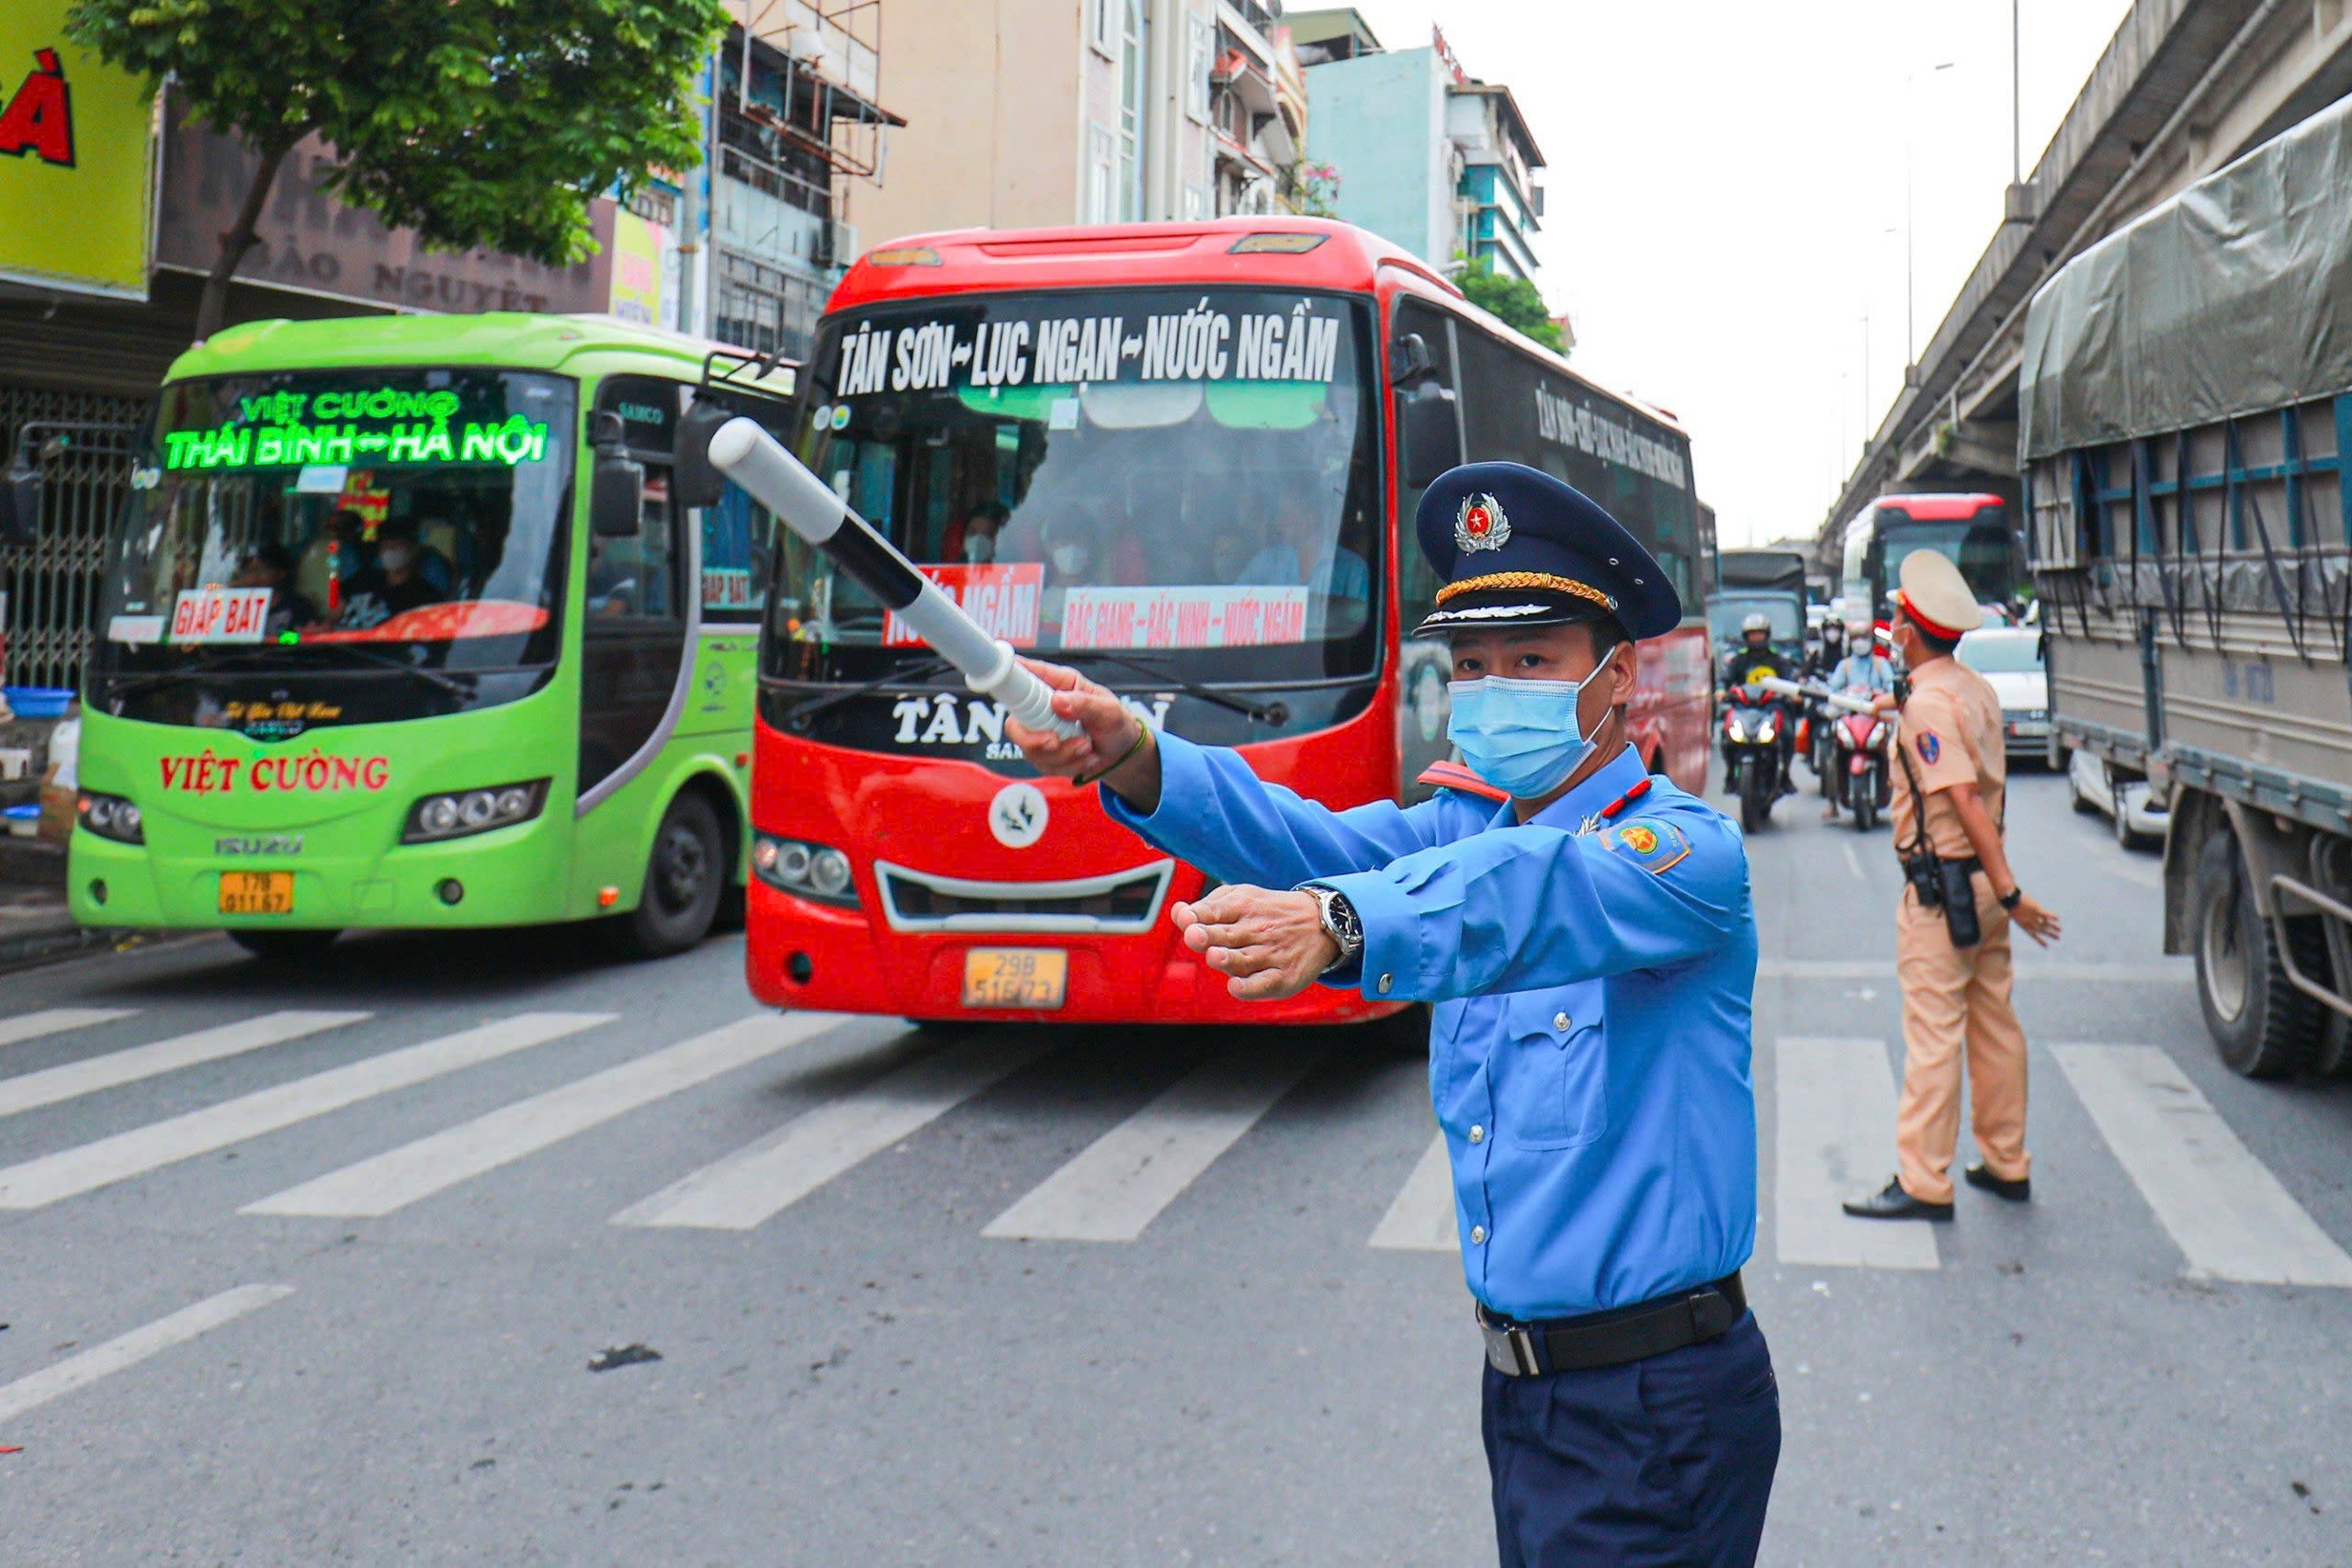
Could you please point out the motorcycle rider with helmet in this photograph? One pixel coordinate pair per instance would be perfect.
(1864, 671)
(1752, 659)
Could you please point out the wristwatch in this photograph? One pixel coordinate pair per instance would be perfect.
(2013, 897)
(1340, 923)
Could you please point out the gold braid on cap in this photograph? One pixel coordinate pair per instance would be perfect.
(1525, 580)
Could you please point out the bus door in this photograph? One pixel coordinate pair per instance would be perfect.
(1420, 367)
(638, 614)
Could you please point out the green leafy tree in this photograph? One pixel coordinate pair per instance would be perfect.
(1514, 299)
(478, 123)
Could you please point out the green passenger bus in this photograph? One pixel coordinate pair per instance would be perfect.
(401, 629)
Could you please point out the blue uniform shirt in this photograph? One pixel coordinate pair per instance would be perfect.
(1588, 1058)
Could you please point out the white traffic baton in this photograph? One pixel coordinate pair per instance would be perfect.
(779, 482)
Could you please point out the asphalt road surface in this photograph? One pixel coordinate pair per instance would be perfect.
(322, 1270)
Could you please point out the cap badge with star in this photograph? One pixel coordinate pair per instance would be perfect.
(1480, 525)
(1513, 546)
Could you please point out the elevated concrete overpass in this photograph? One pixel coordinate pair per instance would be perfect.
(2184, 87)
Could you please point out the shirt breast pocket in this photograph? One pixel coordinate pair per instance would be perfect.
(1552, 1082)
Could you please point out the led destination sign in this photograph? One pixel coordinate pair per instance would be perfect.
(377, 425)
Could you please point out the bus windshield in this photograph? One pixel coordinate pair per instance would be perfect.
(1185, 477)
(397, 533)
(1980, 547)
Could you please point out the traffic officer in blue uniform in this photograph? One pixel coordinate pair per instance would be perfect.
(1591, 947)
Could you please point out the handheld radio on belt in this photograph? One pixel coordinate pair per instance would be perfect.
(753, 458)
(1937, 883)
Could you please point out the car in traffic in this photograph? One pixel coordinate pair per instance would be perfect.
(2096, 787)
(2010, 658)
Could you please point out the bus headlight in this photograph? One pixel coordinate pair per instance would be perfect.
(805, 870)
(109, 816)
(468, 811)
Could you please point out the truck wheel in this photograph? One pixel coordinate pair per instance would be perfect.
(283, 950)
(2262, 1026)
(684, 880)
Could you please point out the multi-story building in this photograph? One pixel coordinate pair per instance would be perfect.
(796, 135)
(1037, 112)
(1426, 155)
(1258, 109)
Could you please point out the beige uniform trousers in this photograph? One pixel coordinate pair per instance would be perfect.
(1955, 998)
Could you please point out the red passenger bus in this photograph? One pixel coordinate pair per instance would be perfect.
(1183, 457)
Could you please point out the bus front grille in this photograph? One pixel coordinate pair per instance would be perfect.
(1124, 902)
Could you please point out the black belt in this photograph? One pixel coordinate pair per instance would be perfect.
(1614, 1337)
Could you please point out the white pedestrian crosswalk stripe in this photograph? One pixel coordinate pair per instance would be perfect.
(56, 1020)
(761, 1180)
(1421, 1218)
(403, 1176)
(1123, 1181)
(1836, 1109)
(40, 1182)
(2224, 1208)
(128, 1350)
(70, 1080)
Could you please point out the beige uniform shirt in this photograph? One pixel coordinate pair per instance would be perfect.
(1950, 734)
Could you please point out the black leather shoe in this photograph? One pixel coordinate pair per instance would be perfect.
(2018, 1191)
(1894, 1204)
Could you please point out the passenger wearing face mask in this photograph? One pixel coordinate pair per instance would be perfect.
(971, 539)
(395, 584)
(1586, 933)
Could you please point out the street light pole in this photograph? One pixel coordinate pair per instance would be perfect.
(1910, 333)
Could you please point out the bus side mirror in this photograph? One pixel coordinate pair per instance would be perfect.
(1429, 441)
(20, 500)
(1409, 359)
(616, 486)
(694, 479)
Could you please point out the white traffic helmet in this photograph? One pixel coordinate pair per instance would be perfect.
(1757, 622)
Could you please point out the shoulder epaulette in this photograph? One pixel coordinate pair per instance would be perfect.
(1453, 775)
(1616, 808)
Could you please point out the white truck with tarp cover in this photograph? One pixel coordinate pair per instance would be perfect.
(2185, 406)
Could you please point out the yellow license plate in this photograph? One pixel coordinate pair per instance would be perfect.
(257, 892)
(1015, 977)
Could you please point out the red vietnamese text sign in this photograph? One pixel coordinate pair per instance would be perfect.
(311, 772)
(1003, 599)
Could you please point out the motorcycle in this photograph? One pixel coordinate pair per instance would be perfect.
(1752, 723)
(1859, 742)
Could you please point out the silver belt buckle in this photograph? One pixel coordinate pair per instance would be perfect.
(1511, 1350)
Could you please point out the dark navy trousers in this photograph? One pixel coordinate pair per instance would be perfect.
(1658, 1462)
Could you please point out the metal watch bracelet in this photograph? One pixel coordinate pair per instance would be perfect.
(1341, 923)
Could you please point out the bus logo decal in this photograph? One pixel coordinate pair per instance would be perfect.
(1480, 525)
(1017, 815)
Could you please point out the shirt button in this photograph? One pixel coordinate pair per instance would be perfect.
(1386, 980)
(1478, 1134)
(1560, 1021)
(1478, 1235)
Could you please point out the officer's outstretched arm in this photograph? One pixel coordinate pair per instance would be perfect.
(1215, 813)
(1530, 906)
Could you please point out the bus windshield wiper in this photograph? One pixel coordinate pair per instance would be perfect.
(801, 713)
(386, 661)
(1263, 713)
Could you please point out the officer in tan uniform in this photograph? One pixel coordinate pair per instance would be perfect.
(1951, 928)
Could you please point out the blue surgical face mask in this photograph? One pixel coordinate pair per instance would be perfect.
(1524, 737)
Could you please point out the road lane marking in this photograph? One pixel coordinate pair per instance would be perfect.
(2226, 1212)
(1853, 860)
(401, 1177)
(1422, 1219)
(1835, 1105)
(1123, 1180)
(129, 1349)
(2179, 972)
(36, 1183)
(764, 1179)
(56, 1020)
(69, 1080)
